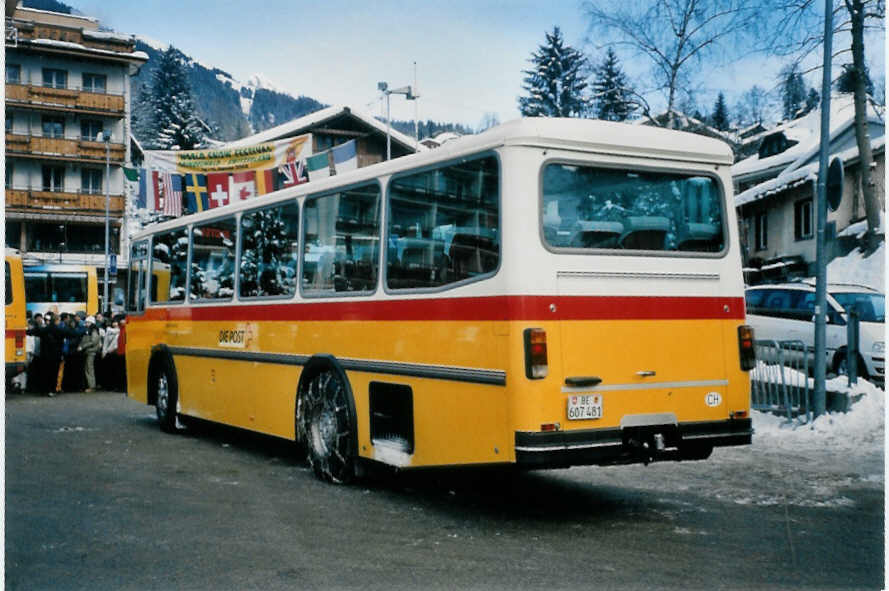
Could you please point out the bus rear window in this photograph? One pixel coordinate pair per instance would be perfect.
(602, 208)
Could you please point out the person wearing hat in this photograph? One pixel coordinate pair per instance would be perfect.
(90, 344)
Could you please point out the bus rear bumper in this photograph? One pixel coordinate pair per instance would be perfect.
(683, 441)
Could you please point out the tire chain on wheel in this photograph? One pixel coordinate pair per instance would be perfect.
(326, 392)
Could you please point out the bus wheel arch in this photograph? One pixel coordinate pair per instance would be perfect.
(163, 388)
(326, 421)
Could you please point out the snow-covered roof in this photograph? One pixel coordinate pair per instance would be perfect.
(135, 56)
(684, 122)
(806, 131)
(108, 36)
(302, 124)
(793, 176)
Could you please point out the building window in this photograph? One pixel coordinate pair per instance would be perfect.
(55, 78)
(91, 238)
(54, 178)
(94, 82)
(13, 73)
(10, 170)
(53, 127)
(46, 237)
(8, 123)
(91, 181)
(761, 228)
(90, 130)
(802, 219)
(14, 234)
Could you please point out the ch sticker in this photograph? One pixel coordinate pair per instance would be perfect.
(713, 399)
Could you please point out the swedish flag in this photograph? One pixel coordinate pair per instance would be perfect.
(196, 198)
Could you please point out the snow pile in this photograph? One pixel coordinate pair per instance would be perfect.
(858, 269)
(861, 427)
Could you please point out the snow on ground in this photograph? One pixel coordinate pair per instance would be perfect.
(856, 268)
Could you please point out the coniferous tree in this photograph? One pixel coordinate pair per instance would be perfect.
(555, 85)
(813, 99)
(720, 117)
(171, 121)
(847, 79)
(793, 92)
(611, 91)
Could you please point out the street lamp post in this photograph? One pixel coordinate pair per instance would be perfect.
(408, 92)
(106, 136)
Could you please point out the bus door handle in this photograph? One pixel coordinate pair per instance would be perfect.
(583, 381)
(645, 374)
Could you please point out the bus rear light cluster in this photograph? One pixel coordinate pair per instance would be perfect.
(745, 347)
(20, 344)
(536, 365)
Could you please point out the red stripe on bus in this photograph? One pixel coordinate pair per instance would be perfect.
(494, 308)
(11, 333)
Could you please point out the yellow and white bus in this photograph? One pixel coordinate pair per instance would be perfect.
(548, 293)
(15, 321)
(61, 288)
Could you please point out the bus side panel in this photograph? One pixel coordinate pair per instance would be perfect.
(141, 336)
(15, 322)
(92, 292)
(454, 423)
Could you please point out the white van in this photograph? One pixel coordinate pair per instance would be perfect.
(785, 312)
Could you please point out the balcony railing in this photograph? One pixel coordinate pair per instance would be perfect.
(39, 146)
(38, 199)
(66, 99)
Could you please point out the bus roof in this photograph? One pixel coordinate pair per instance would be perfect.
(586, 135)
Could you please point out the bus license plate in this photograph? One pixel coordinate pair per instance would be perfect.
(585, 406)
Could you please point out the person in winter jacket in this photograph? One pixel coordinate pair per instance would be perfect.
(90, 344)
(52, 337)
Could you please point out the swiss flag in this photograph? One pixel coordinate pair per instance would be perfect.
(243, 185)
(218, 188)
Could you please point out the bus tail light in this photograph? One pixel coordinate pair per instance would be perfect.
(745, 346)
(536, 365)
(20, 343)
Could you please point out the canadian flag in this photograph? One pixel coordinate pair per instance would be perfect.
(243, 185)
(218, 188)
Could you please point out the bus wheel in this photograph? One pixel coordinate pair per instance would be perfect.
(325, 427)
(166, 395)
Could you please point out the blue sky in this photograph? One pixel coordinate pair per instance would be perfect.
(469, 54)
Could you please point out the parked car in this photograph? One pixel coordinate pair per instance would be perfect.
(786, 312)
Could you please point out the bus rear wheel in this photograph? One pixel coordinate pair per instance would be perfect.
(324, 421)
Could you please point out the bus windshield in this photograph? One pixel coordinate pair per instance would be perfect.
(604, 208)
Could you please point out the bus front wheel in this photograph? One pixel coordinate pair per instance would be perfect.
(166, 394)
(325, 426)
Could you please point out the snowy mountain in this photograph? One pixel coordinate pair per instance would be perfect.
(236, 109)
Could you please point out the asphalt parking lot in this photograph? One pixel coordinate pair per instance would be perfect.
(98, 498)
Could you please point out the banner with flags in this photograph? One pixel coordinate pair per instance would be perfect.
(222, 159)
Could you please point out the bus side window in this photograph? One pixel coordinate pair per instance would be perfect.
(136, 284)
(269, 251)
(213, 260)
(341, 244)
(444, 225)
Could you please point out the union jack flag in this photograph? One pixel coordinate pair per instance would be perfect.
(291, 173)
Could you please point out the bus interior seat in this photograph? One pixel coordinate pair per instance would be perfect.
(699, 237)
(645, 233)
(597, 234)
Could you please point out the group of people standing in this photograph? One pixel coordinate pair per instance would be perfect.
(69, 352)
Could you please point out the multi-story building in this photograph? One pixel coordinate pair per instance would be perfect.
(67, 119)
